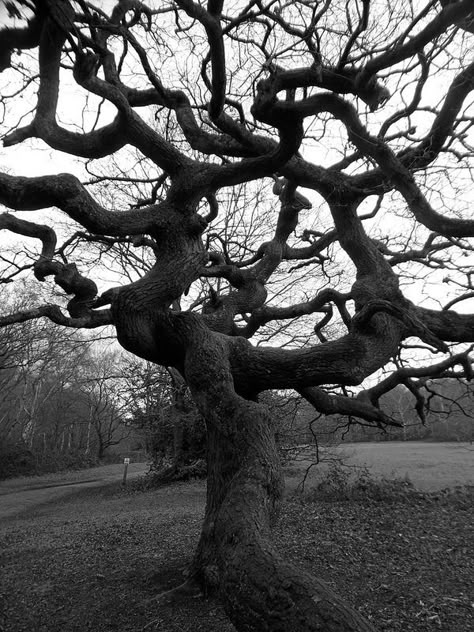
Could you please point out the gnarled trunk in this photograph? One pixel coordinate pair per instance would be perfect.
(260, 590)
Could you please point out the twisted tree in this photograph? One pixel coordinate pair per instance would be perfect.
(366, 105)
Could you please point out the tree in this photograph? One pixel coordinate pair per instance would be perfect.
(35, 365)
(106, 402)
(368, 106)
(161, 410)
(60, 404)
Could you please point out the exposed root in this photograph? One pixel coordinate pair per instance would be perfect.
(186, 590)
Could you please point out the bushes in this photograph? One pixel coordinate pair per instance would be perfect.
(17, 460)
(343, 483)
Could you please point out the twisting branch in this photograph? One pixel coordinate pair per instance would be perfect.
(449, 15)
(67, 193)
(421, 155)
(67, 276)
(30, 229)
(290, 131)
(403, 374)
(291, 203)
(414, 326)
(54, 313)
(210, 19)
(268, 313)
(49, 29)
(393, 167)
(121, 9)
(331, 404)
(326, 319)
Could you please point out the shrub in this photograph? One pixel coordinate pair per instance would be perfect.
(15, 460)
(343, 483)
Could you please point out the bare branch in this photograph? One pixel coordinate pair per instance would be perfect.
(54, 313)
(67, 193)
(401, 376)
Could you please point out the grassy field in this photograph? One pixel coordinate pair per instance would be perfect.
(430, 466)
(94, 560)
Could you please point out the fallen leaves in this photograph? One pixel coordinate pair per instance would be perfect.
(95, 562)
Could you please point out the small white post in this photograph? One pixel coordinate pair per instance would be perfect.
(125, 468)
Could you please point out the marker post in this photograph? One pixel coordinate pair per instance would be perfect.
(125, 468)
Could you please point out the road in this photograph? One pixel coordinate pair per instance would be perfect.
(19, 495)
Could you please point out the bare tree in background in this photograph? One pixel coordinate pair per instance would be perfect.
(106, 402)
(60, 403)
(368, 106)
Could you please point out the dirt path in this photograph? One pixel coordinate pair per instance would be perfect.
(23, 494)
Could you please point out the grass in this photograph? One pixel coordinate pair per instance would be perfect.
(94, 560)
(430, 466)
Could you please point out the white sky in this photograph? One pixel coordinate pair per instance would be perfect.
(35, 158)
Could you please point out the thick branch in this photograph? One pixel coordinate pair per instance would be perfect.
(340, 405)
(393, 168)
(210, 19)
(348, 360)
(54, 313)
(447, 324)
(451, 14)
(414, 326)
(402, 375)
(12, 39)
(30, 229)
(340, 81)
(67, 193)
(268, 313)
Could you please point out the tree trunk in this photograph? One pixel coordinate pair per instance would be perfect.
(177, 439)
(88, 438)
(261, 592)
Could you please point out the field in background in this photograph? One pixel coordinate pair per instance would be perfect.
(429, 466)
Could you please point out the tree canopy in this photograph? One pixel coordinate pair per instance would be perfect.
(198, 125)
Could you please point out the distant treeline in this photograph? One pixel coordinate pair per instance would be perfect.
(443, 410)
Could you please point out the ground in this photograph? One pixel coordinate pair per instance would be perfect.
(93, 559)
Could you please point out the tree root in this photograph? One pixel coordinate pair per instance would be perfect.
(186, 590)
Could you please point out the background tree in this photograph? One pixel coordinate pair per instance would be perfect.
(366, 105)
(102, 388)
(161, 409)
(61, 404)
